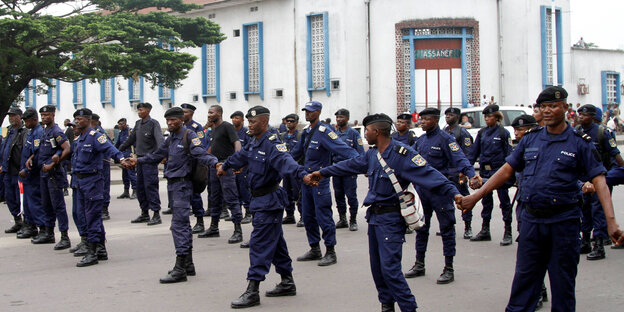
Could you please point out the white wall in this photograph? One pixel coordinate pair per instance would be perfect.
(589, 64)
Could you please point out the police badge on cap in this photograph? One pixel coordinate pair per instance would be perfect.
(188, 106)
(83, 112)
(257, 111)
(48, 109)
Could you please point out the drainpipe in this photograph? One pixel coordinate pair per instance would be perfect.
(501, 75)
(368, 59)
(295, 56)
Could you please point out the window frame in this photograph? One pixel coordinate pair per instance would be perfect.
(327, 87)
(246, 61)
(131, 96)
(103, 100)
(557, 48)
(204, 72)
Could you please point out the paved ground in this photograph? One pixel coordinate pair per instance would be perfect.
(36, 278)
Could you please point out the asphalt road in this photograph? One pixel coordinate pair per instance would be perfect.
(37, 278)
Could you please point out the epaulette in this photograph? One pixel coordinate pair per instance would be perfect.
(273, 137)
(194, 125)
(92, 132)
(248, 132)
(401, 150)
(534, 130)
(322, 128)
(583, 136)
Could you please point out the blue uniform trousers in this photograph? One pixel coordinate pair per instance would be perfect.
(503, 197)
(267, 245)
(128, 176)
(224, 190)
(293, 190)
(346, 185)
(2, 185)
(386, 235)
(443, 207)
(552, 247)
(32, 201)
(180, 194)
(197, 205)
(53, 201)
(147, 187)
(593, 216)
(316, 207)
(12, 193)
(463, 190)
(243, 190)
(91, 201)
(78, 213)
(107, 182)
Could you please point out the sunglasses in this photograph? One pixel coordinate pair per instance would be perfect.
(290, 120)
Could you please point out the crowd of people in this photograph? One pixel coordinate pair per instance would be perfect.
(261, 175)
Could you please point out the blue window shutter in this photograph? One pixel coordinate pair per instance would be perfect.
(309, 55)
(261, 57)
(559, 31)
(58, 94)
(326, 52)
(204, 74)
(50, 92)
(218, 71)
(34, 99)
(130, 90)
(172, 96)
(84, 93)
(603, 80)
(112, 83)
(102, 92)
(544, 46)
(141, 89)
(75, 93)
(617, 88)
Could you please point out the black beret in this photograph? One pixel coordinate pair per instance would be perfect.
(370, 119)
(552, 94)
(452, 110)
(95, 117)
(405, 116)
(48, 109)
(14, 111)
(587, 108)
(237, 113)
(29, 113)
(257, 111)
(429, 111)
(174, 112)
(523, 121)
(188, 106)
(342, 112)
(490, 109)
(122, 119)
(84, 112)
(144, 105)
(293, 116)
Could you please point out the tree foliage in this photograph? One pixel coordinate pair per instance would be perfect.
(96, 39)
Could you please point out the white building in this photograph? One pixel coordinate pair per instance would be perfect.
(364, 55)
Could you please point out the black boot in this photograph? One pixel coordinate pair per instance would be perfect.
(237, 236)
(247, 218)
(212, 231)
(27, 231)
(133, 195)
(189, 266)
(244, 245)
(46, 236)
(64, 243)
(342, 221)
(329, 258)
(199, 226)
(300, 223)
(144, 217)
(467, 230)
(16, 227)
(586, 243)
(105, 214)
(100, 251)
(81, 249)
(313, 254)
(224, 214)
(168, 211)
(387, 307)
(606, 241)
(447, 275)
(90, 258)
(41, 231)
(484, 234)
(289, 218)
(65, 192)
(155, 219)
(417, 270)
(598, 251)
(285, 288)
(178, 274)
(353, 223)
(249, 298)
(123, 195)
(507, 238)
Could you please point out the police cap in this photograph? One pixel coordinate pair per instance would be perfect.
(174, 112)
(343, 112)
(237, 113)
(405, 116)
(122, 120)
(490, 109)
(15, 111)
(598, 115)
(144, 105)
(95, 117)
(292, 116)
(587, 108)
(257, 111)
(523, 121)
(48, 109)
(84, 112)
(371, 119)
(429, 111)
(552, 94)
(452, 110)
(29, 113)
(188, 106)
(312, 106)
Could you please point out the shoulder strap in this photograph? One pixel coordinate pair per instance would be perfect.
(395, 183)
(185, 139)
(457, 132)
(601, 137)
(308, 139)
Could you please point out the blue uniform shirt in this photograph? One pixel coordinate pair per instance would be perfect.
(267, 161)
(123, 136)
(463, 138)
(609, 145)
(407, 138)
(491, 146)
(31, 147)
(291, 139)
(353, 140)
(6, 150)
(51, 141)
(179, 159)
(323, 143)
(551, 167)
(90, 150)
(243, 135)
(443, 153)
(199, 131)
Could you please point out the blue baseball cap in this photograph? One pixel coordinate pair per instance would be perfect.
(312, 106)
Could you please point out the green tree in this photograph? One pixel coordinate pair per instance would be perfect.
(96, 39)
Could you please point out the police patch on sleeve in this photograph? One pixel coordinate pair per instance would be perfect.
(360, 141)
(332, 135)
(196, 141)
(102, 139)
(59, 139)
(281, 147)
(454, 147)
(200, 134)
(467, 141)
(419, 160)
(36, 142)
(510, 141)
(612, 142)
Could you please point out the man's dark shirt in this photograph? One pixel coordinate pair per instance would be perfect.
(223, 138)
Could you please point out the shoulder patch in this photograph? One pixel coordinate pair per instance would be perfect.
(92, 132)
(612, 142)
(200, 134)
(453, 146)
(510, 141)
(583, 136)
(281, 147)
(194, 125)
(272, 137)
(59, 139)
(248, 132)
(419, 160)
(102, 139)
(360, 141)
(36, 142)
(332, 135)
(401, 150)
(322, 128)
(196, 141)
(467, 141)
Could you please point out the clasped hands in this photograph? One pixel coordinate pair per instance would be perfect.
(312, 179)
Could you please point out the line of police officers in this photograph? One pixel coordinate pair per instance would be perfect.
(438, 164)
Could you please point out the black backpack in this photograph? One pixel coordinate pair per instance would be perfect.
(605, 157)
(199, 171)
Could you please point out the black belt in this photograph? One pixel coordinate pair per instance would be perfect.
(176, 180)
(84, 175)
(267, 189)
(550, 211)
(384, 208)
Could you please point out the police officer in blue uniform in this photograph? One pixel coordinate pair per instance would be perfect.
(268, 161)
(442, 152)
(316, 146)
(180, 154)
(92, 148)
(491, 146)
(54, 149)
(386, 226)
(593, 216)
(10, 166)
(346, 185)
(291, 137)
(403, 133)
(552, 161)
(97, 125)
(29, 176)
(243, 192)
(78, 212)
(128, 176)
(465, 142)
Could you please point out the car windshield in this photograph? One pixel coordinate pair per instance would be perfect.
(477, 120)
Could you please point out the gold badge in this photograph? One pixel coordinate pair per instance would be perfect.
(454, 147)
(196, 141)
(359, 141)
(557, 95)
(419, 160)
(467, 141)
(59, 139)
(102, 139)
(333, 135)
(36, 142)
(612, 142)
(281, 147)
(200, 134)
(253, 113)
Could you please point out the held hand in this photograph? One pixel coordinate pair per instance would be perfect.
(221, 172)
(55, 159)
(47, 168)
(23, 174)
(476, 182)
(129, 162)
(218, 165)
(588, 187)
(28, 164)
(458, 199)
(237, 171)
(164, 161)
(616, 235)
(467, 203)
(462, 179)
(307, 180)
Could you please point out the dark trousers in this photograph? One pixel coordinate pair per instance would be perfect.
(128, 176)
(463, 190)
(317, 212)
(78, 213)
(505, 205)
(443, 207)
(243, 190)
(33, 212)
(197, 205)
(224, 190)
(267, 245)
(346, 186)
(12, 193)
(52, 200)
(293, 189)
(552, 247)
(180, 194)
(91, 201)
(593, 216)
(147, 187)
(107, 183)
